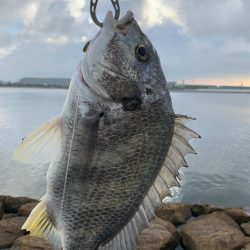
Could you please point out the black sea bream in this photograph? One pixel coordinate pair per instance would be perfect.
(114, 151)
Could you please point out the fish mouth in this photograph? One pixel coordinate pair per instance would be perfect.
(110, 24)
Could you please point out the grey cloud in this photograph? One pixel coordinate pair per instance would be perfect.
(12, 9)
(210, 38)
(227, 18)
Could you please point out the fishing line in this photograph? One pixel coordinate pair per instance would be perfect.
(93, 6)
(69, 156)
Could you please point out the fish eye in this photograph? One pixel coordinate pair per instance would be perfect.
(142, 52)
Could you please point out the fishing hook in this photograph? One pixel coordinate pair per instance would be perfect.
(93, 5)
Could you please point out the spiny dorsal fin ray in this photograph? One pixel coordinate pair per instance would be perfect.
(148, 207)
(39, 225)
(183, 119)
(183, 146)
(42, 145)
(169, 178)
(185, 132)
(133, 236)
(166, 179)
(161, 187)
(176, 157)
(172, 167)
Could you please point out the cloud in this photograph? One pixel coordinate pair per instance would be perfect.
(31, 12)
(7, 50)
(76, 8)
(52, 22)
(59, 40)
(215, 18)
(7, 45)
(57, 22)
(195, 39)
(158, 12)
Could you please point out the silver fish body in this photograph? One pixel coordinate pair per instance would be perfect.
(117, 131)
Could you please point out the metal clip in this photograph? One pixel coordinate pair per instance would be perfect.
(93, 5)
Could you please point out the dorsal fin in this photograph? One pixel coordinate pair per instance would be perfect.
(127, 238)
(42, 145)
(39, 225)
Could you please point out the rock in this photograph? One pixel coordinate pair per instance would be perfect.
(176, 213)
(215, 231)
(13, 224)
(11, 204)
(238, 214)
(7, 216)
(30, 243)
(247, 240)
(7, 238)
(200, 209)
(10, 230)
(246, 228)
(1, 207)
(160, 235)
(26, 209)
(247, 247)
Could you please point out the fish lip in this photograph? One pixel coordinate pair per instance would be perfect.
(122, 25)
(109, 22)
(125, 20)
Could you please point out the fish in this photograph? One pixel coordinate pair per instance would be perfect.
(114, 151)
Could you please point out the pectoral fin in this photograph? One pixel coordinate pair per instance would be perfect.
(42, 145)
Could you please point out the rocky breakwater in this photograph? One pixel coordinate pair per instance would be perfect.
(177, 226)
(13, 213)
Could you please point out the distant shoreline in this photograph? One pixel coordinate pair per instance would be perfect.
(209, 91)
(33, 86)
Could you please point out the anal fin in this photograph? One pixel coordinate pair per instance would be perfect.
(39, 225)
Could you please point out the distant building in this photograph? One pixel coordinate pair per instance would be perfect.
(171, 84)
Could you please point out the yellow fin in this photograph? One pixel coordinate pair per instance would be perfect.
(42, 145)
(39, 225)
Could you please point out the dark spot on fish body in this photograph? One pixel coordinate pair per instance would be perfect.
(131, 103)
(101, 114)
(149, 91)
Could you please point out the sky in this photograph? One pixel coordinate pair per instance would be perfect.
(199, 42)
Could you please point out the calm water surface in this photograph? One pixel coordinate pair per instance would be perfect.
(219, 174)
